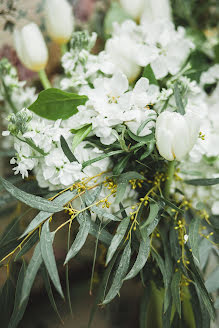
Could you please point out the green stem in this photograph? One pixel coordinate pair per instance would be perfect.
(8, 98)
(44, 79)
(64, 48)
(170, 174)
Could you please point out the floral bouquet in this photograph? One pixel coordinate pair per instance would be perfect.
(126, 144)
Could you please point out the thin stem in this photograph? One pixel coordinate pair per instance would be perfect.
(8, 98)
(64, 48)
(44, 79)
(170, 174)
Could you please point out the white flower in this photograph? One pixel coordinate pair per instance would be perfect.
(133, 8)
(176, 134)
(31, 47)
(155, 10)
(59, 20)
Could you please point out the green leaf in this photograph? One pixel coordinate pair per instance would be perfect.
(31, 200)
(216, 52)
(67, 151)
(120, 274)
(104, 214)
(147, 229)
(161, 265)
(212, 283)
(144, 139)
(114, 14)
(150, 148)
(46, 241)
(172, 205)
(194, 238)
(175, 289)
(6, 302)
(122, 184)
(30, 275)
(54, 104)
(61, 200)
(81, 135)
(143, 253)
(80, 238)
(121, 165)
(28, 245)
(149, 74)
(216, 304)
(18, 311)
(145, 301)
(99, 158)
(202, 182)
(92, 195)
(154, 209)
(178, 99)
(48, 287)
(118, 237)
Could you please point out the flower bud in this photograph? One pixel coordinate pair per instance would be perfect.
(133, 7)
(31, 47)
(176, 134)
(59, 20)
(155, 10)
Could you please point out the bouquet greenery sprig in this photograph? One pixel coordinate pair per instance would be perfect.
(127, 146)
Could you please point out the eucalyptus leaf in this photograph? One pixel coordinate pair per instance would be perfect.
(120, 274)
(175, 289)
(30, 274)
(123, 181)
(46, 241)
(92, 195)
(143, 253)
(178, 99)
(31, 200)
(212, 282)
(67, 151)
(104, 214)
(80, 238)
(194, 238)
(6, 301)
(99, 158)
(28, 245)
(202, 182)
(54, 104)
(118, 237)
(81, 135)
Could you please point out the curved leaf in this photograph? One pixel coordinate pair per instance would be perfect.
(81, 135)
(194, 238)
(175, 289)
(119, 235)
(46, 241)
(143, 253)
(54, 104)
(80, 238)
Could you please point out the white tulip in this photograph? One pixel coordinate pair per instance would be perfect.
(133, 7)
(59, 20)
(31, 47)
(176, 134)
(155, 10)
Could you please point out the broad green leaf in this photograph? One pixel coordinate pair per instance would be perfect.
(194, 238)
(118, 237)
(178, 99)
(6, 302)
(114, 14)
(205, 247)
(80, 238)
(175, 289)
(120, 274)
(18, 311)
(54, 104)
(104, 214)
(92, 195)
(166, 317)
(61, 200)
(28, 245)
(31, 200)
(146, 230)
(30, 274)
(48, 287)
(67, 151)
(212, 282)
(154, 209)
(143, 253)
(81, 135)
(149, 74)
(46, 241)
(202, 182)
(99, 158)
